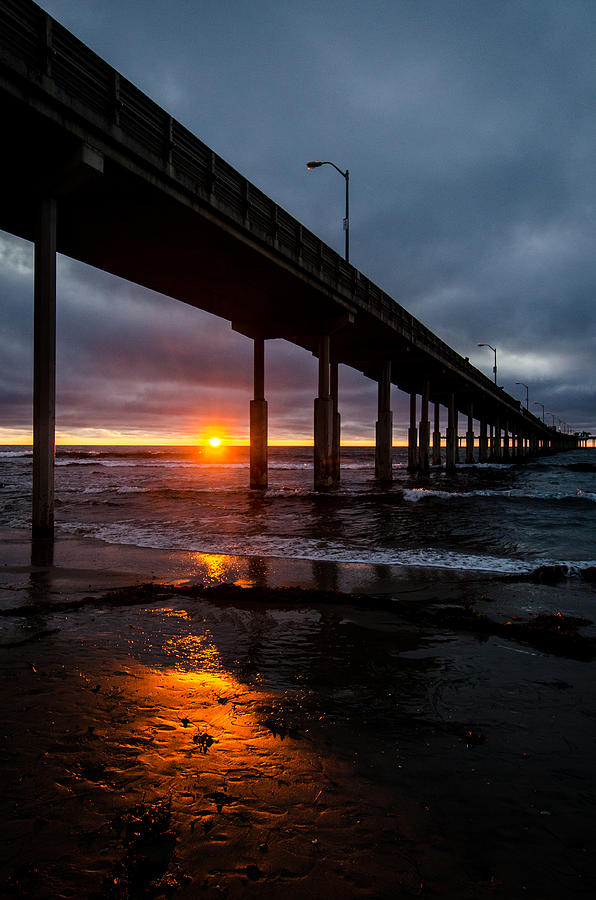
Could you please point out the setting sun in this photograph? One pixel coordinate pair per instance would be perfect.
(215, 441)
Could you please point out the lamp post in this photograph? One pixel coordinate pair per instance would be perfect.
(315, 164)
(527, 394)
(494, 349)
(536, 403)
(553, 415)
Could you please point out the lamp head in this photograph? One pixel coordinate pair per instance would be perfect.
(482, 345)
(314, 164)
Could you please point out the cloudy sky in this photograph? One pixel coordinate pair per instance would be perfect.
(469, 129)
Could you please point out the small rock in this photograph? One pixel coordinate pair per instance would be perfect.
(253, 873)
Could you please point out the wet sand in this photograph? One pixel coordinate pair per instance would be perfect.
(369, 736)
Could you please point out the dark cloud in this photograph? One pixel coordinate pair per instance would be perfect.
(470, 135)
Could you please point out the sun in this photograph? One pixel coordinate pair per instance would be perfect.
(215, 441)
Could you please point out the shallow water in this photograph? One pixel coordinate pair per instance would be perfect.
(495, 518)
(202, 747)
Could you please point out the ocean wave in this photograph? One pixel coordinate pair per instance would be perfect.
(572, 466)
(486, 465)
(161, 493)
(78, 453)
(415, 495)
(126, 463)
(133, 489)
(14, 454)
(319, 550)
(86, 461)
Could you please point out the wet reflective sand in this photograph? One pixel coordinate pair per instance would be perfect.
(215, 747)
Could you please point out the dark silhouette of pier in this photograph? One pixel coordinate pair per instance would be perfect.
(94, 169)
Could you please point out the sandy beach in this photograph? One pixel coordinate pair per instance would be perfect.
(247, 727)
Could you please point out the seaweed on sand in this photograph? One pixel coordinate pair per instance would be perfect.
(553, 632)
(149, 843)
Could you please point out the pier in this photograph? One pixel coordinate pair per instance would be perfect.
(94, 169)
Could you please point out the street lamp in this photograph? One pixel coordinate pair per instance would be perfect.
(536, 403)
(315, 164)
(553, 415)
(527, 393)
(494, 349)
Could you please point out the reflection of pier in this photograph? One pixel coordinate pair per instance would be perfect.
(97, 171)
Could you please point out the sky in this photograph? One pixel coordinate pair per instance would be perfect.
(469, 129)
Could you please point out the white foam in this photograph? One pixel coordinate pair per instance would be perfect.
(414, 495)
(329, 551)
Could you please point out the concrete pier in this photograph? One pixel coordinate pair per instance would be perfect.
(451, 452)
(323, 425)
(384, 427)
(424, 431)
(470, 436)
(336, 436)
(258, 421)
(412, 435)
(437, 435)
(506, 441)
(483, 442)
(208, 219)
(44, 371)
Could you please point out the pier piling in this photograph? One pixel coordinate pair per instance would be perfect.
(44, 371)
(384, 427)
(258, 421)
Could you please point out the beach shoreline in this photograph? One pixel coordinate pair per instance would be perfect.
(179, 743)
(74, 565)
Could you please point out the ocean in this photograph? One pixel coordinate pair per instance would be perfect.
(499, 518)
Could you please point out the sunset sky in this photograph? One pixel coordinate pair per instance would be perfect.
(469, 129)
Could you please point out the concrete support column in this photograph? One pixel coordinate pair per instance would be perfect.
(323, 425)
(506, 441)
(497, 438)
(258, 421)
(483, 442)
(470, 435)
(412, 435)
(451, 453)
(493, 447)
(437, 435)
(336, 436)
(384, 427)
(44, 371)
(424, 430)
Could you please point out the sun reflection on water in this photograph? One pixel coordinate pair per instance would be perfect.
(194, 651)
